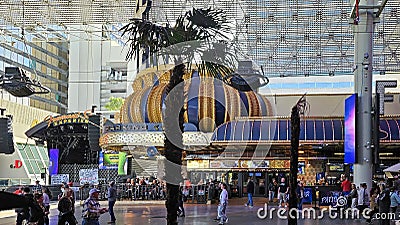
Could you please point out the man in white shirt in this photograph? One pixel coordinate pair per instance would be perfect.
(363, 197)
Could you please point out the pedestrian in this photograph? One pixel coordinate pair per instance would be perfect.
(396, 184)
(112, 198)
(223, 202)
(19, 191)
(23, 213)
(384, 204)
(46, 203)
(66, 207)
(282, 193)
(353, 196)
(91, 208)
(300, 195)
(271, 190)
(373, 204)
(250, 192)
(181, 209)
(346, 186)
(37, 210)
(363, 198)
(37, 188)
(394, 200)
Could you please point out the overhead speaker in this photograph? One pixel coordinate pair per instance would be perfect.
(93, 137)
(6, 136)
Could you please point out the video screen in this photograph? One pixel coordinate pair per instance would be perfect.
(350, 127)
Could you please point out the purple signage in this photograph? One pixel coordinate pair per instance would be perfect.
(350, 111)
(53, 161)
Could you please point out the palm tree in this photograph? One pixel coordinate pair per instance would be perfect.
(193, 33)
(297, 109)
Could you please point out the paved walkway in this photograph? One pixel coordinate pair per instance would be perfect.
(154, 212)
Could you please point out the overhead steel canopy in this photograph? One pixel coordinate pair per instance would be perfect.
(303, 37)
(288, 38)
(56, 12)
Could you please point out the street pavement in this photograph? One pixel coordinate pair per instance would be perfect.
(154, 213)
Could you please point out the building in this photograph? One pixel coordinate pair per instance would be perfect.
(45, 58)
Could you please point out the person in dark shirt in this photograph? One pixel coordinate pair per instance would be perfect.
(272, 187)
(23, 213)
(384, 204)
(181, 209)
(250, 192)
(37, 210)
(282, 193)
(112, 198)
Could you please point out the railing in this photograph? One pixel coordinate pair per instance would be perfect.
(5, 182)
(191, 194)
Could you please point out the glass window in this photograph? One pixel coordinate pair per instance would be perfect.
(35, 152)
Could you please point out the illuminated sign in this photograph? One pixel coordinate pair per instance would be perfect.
(68, 118)
(350, 128)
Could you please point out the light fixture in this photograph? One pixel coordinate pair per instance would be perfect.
(386, 153)
(338, 153)
(301, 152)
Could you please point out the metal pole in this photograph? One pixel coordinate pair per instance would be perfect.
(363, 41)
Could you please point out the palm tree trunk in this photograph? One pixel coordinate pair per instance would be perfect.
(294, 160)
(173, 127)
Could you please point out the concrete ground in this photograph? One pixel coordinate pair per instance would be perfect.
(154, 213)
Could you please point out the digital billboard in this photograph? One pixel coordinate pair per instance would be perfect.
(53, 161)
(350, 128)
(115, 160)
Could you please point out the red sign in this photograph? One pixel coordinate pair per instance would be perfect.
(17, 164)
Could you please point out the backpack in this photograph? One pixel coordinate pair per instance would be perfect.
(64, 205)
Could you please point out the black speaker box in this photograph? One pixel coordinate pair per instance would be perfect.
(6, 136)
(93, 137)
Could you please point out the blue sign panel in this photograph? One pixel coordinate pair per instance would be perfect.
(350, 111)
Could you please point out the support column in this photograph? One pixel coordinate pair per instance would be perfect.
(363, 46)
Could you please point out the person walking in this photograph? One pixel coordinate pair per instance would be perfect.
(250, 192)
(23, 213)
(272, 187)
(66, 208)
(181, 209)
(346, 186)
(300, 195)
(112, 198)
(373, 204)
(353, 196)
(384, 204)
(363, 198)
(282, 192)
(223, 202)
(91, 208)
(394, 200)
(37, 210)
(46, 203)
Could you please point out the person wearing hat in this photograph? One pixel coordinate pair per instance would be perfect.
(91, 208)
(112, 198)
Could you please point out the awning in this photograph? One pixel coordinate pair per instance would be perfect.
(394, 169)
(312, 130)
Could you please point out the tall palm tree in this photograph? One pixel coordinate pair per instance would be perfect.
(300, 107)
(192, 33)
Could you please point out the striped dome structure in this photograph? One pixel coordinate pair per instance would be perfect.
(208, 102)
